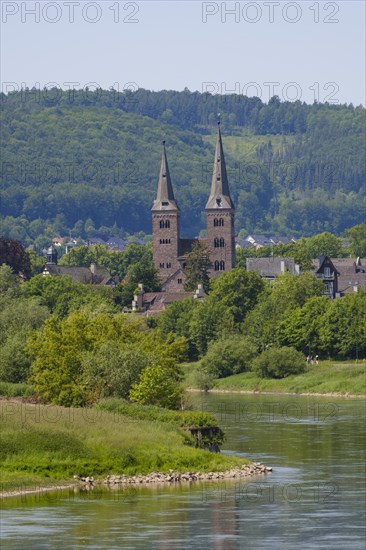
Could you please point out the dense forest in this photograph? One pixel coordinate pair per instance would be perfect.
(86, 162)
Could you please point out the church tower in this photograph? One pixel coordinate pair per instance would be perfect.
(220, 216)
(165, 224)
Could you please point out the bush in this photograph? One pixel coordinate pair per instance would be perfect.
(157, 387)
(203, 380)
(229, 356)
(279, 363)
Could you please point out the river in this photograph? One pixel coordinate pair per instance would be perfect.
(314, 498)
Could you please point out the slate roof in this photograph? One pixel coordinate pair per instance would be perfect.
(185, 246)
(270, 267)
(165, 200)
(156, 301)
(220, 194)
(82, 274)
(351, 274)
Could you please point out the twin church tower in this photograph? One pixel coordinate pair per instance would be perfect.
(169, 249)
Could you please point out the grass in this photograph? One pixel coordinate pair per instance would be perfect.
(180, 419)
(44, 445)
(327, 377)
(16, 390)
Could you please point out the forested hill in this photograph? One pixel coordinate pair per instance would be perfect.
(85, 161)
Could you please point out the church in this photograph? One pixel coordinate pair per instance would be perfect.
(169, 249)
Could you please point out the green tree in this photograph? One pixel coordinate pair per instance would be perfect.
(288, 293)
(357, 238)
(175, 320)
(237, 291)
(112, 368)
(324, 244)
(8, 281)
(301, 326)
(197, 268)
(18, 318)
(342, 329)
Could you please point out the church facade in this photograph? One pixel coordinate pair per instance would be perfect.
(169, 249)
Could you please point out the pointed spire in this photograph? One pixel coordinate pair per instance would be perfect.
(165, 197)
(220, 193)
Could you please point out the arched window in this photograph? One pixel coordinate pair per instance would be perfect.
(216, 243)
(216, 222)
(167, 224)
(161, 224)
(221, 222)
(222, 243)
(217, 266)
(222, 265)
(169, 264)
(161, 264)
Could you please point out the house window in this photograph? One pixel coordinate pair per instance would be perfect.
(327, 272)
(216, 243)
(169, 264)
(222, 243)
(180, 281)
(218, 222)
(217, 266)
(161, 264)
(222, 265)
(165, 203)
(164, 241)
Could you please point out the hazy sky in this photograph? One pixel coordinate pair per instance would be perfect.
(303, 49)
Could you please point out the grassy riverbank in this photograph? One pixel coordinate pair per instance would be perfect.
(44, 445)
(329, 377)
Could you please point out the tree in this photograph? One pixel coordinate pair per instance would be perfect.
(209, 320)
(198, 265)
(324, 244)
(111, 369)
(288, 293)
(175, 320)
(301, 326)
(18, 318)
(13, 254)
(357, 238)
(342, 329)
(7, 279)
(62, 295)
(238, 291)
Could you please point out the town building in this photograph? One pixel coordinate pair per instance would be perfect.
(269, 268)
(93, 275)
(169, 248)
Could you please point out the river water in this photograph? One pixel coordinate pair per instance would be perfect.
(313, 499)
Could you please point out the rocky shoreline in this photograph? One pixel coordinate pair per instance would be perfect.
(255, 468)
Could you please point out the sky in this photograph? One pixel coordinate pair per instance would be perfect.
(303, 50)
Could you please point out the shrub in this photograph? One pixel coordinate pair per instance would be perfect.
(203, 380)
(279, 363)
(229, 356)
(157, 387)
